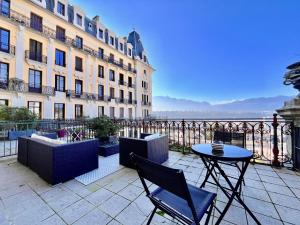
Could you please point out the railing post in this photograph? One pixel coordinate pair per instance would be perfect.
(183, 134)
(275, 161)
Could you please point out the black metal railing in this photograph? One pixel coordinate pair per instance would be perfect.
(269, 139)
(35, 57)
(18, 85)
(145, 103)
(122, 82)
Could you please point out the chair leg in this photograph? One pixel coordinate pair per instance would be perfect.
(209, 214)
(151, 216)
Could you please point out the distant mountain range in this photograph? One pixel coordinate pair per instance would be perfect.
(184, 108)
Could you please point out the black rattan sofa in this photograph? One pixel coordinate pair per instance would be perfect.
(155, 150)
(58, 163)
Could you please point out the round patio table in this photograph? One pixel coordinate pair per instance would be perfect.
(211, 161)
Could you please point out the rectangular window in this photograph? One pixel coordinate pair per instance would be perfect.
(121, 113)
(129, 81)
(121, 79)
(79, 42)
(112, 112)
(111, 75)
(3, 102)
(5, 7)
(100, 71)
(121, 96)
(4, 40)
(4, 72)
(121, 62)
(35, 108)
(78, 87)
(101, 92)
(130, 97)
(78, 64)
(101, 33)
(60, 8)
(36, 22)
(60, 34)
(35, 50)
(121, 46)
(59, 111)
(59, 83)
(100, 111)
(101, 53)
(129, 66)
(78, 111)
(60, 58)
(112, 40)
(129, 52)
(79, 19)
(111, 58)
(112, 93)
(130, 113)
(35, 81)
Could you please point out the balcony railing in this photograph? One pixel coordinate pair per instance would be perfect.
(51, 33)
(18, 85)
(145, 103)
(122, 82)
(35, 57)
(7, 48)
(131, 85)
(3, 84)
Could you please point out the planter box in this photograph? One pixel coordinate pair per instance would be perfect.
(13, 135)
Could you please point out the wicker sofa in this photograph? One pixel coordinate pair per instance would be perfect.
(156, 150)
(58, 163)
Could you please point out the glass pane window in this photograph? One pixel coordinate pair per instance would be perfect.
(4, 40)
(78, 42)
(111, 92)
(59, 111)
(101, 53)
(121, 46)
(36, 22)
(5, 7)
(35, 108)
(79, 19)
(101, 33)
(59, 83)
(78, 64)
(61, 8)
(3, 102)
(101, 91)
(121, 113)
(35, 80)
(78, 87)
(130, 113)
(60, 34)
(78, 111)
(100, 111)
(100, 71)
(35, 50)
(112, 40)
(111, 75)
(112, 112)
(4, 75)
(60, 57)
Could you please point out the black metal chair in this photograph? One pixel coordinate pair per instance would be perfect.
(174, 196)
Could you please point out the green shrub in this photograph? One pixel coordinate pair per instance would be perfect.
(103, 127)
(16, 114)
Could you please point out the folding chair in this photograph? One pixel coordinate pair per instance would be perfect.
(182, 201)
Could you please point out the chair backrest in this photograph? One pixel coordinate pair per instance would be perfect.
(233, 138)
(172, 180)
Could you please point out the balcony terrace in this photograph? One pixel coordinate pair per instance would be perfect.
(272, 194)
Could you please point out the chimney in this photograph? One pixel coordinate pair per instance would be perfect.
(96, 19)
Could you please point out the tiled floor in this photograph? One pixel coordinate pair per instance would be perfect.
(272, 194)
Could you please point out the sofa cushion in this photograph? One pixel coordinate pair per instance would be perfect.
(46, 139)
(152, 136)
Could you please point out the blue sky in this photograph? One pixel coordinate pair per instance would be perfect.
(212, 50)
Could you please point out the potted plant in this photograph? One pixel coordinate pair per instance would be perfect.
(104, 128)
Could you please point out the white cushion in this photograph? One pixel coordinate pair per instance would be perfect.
(152, 136)
(49, 140)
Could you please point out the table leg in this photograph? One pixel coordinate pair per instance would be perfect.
(210, 169)
(235, 193)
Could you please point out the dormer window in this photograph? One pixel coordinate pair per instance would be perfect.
(101, 33)
(145, 58)
(121, 46)
(90, 26)
(129, 52)
(61, 8)
(79, 19)
(112, 40)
